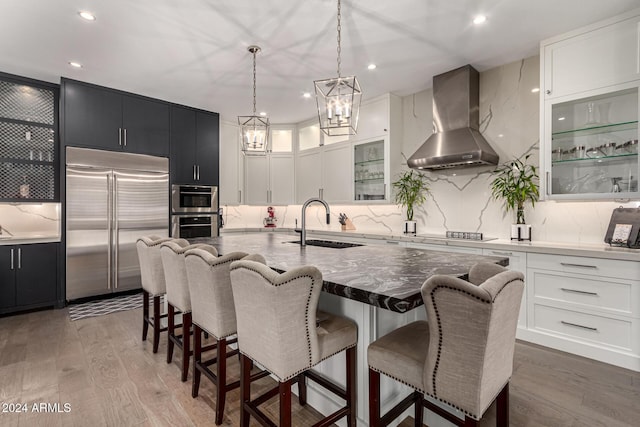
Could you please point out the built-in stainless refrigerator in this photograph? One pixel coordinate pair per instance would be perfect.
(111, 199)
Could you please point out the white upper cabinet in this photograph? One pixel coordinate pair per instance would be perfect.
(230, 165)
(336, 173)
(308, 175)
(597, 56)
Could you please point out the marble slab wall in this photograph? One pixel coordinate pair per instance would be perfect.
(461, 200)
(30, 218)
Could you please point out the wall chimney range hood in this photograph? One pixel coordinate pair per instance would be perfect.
(456, 142)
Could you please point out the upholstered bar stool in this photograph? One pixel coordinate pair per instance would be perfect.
(175, 273)
(463, 355)
(152, 278)
(212, 311)
(276, 316)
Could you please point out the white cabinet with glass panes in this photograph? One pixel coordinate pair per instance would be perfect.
(269, 179)
(370, 179)
(592, 146)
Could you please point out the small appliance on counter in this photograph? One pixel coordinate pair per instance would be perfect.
(624, 228)
(270, 220)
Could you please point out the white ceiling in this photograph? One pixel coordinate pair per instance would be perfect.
(193, 52)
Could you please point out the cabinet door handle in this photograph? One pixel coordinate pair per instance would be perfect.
(120, 137)
(12, 259)
(568, 264)
(239, 196)
(578, 326)
(548, 189)
(125, 137)
(19, 258)
(548, 92)
(194, 172)
(502, 253)
(391, 242)
(198, 173)
(576, 291)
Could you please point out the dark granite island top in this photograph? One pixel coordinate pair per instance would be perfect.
(383, 276)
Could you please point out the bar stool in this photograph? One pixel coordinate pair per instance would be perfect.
(175, 273)
(278, 329)
(153, 283)
(213, 312)
(463, 355)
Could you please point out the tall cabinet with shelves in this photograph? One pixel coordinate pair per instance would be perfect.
(28, 140)
(590, 110)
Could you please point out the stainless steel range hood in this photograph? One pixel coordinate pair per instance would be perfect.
(456, 142)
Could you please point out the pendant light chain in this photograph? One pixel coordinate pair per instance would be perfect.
(254, 82)
(339, 28)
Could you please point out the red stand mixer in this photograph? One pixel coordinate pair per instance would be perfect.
(270, 220)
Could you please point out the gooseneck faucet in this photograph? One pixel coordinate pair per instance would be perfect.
(303, 230)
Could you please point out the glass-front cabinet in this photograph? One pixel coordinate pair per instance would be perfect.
(370, 178)
(593, 149)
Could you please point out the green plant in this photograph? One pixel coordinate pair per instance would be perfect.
(517, 183)
(411, 190)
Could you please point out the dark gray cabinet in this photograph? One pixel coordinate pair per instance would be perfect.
(28, 140)
(28, 276)
(195, 136)
(98, 117)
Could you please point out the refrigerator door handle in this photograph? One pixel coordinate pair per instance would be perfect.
(114, 247)
(109, 220)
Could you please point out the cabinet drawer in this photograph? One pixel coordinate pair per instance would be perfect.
(583, 265)
(590, 292)
(584, 327)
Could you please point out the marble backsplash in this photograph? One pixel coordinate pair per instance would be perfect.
(30, 218)
(460, 200)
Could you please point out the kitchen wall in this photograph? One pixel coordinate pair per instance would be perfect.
(461, 200)
(32, 219)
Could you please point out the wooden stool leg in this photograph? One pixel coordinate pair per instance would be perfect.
(197, 358)
(351, 387)
(186, 344)
(419, 410)
(156, 323)
(502, 410)
(302, 390)
(145, 314)
(374, 398)
(285, 404)
(221, 392)
(245, 389)
(170, 331)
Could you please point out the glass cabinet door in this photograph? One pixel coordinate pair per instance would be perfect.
(369, 176)
(594, 147)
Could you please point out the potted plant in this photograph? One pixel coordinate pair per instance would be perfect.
(516, 182)
(411, 192)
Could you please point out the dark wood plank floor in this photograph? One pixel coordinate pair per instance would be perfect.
(111, 378)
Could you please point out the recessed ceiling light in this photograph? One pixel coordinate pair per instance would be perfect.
(306, 95)
(87, 15)
(535, 90)
(479, 19)
(262, 113)
(75, 64)
(560, 118)
(500, 136)
(372, 66)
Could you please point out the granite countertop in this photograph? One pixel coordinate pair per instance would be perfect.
(28, 238)
(386, 277)
(595, 250)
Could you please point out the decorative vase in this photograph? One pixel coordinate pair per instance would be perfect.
(521, 232)
(410, 227)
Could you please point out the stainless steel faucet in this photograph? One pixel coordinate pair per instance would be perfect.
(303, 231)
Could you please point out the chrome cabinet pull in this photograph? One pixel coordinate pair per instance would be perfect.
(548, 190)
(125, 137)
(120, 137)
(548, 92)
(576, 291)
(198, 175)
(12, 259)
(502, 253)
(578, 326)
(391, 242)
(194, 172)
(239, 196)
(19, 258)
(568, 264)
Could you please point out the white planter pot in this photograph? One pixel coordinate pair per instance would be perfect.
(520, 232)
(410, 227)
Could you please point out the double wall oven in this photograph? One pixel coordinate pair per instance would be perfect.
(194, 211)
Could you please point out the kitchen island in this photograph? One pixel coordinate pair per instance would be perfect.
(376, 286)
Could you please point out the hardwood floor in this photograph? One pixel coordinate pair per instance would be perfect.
(111, 378)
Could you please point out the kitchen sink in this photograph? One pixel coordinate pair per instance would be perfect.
(328, 244)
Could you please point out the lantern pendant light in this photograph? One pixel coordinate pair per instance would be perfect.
(338, 100)
(255, 129)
